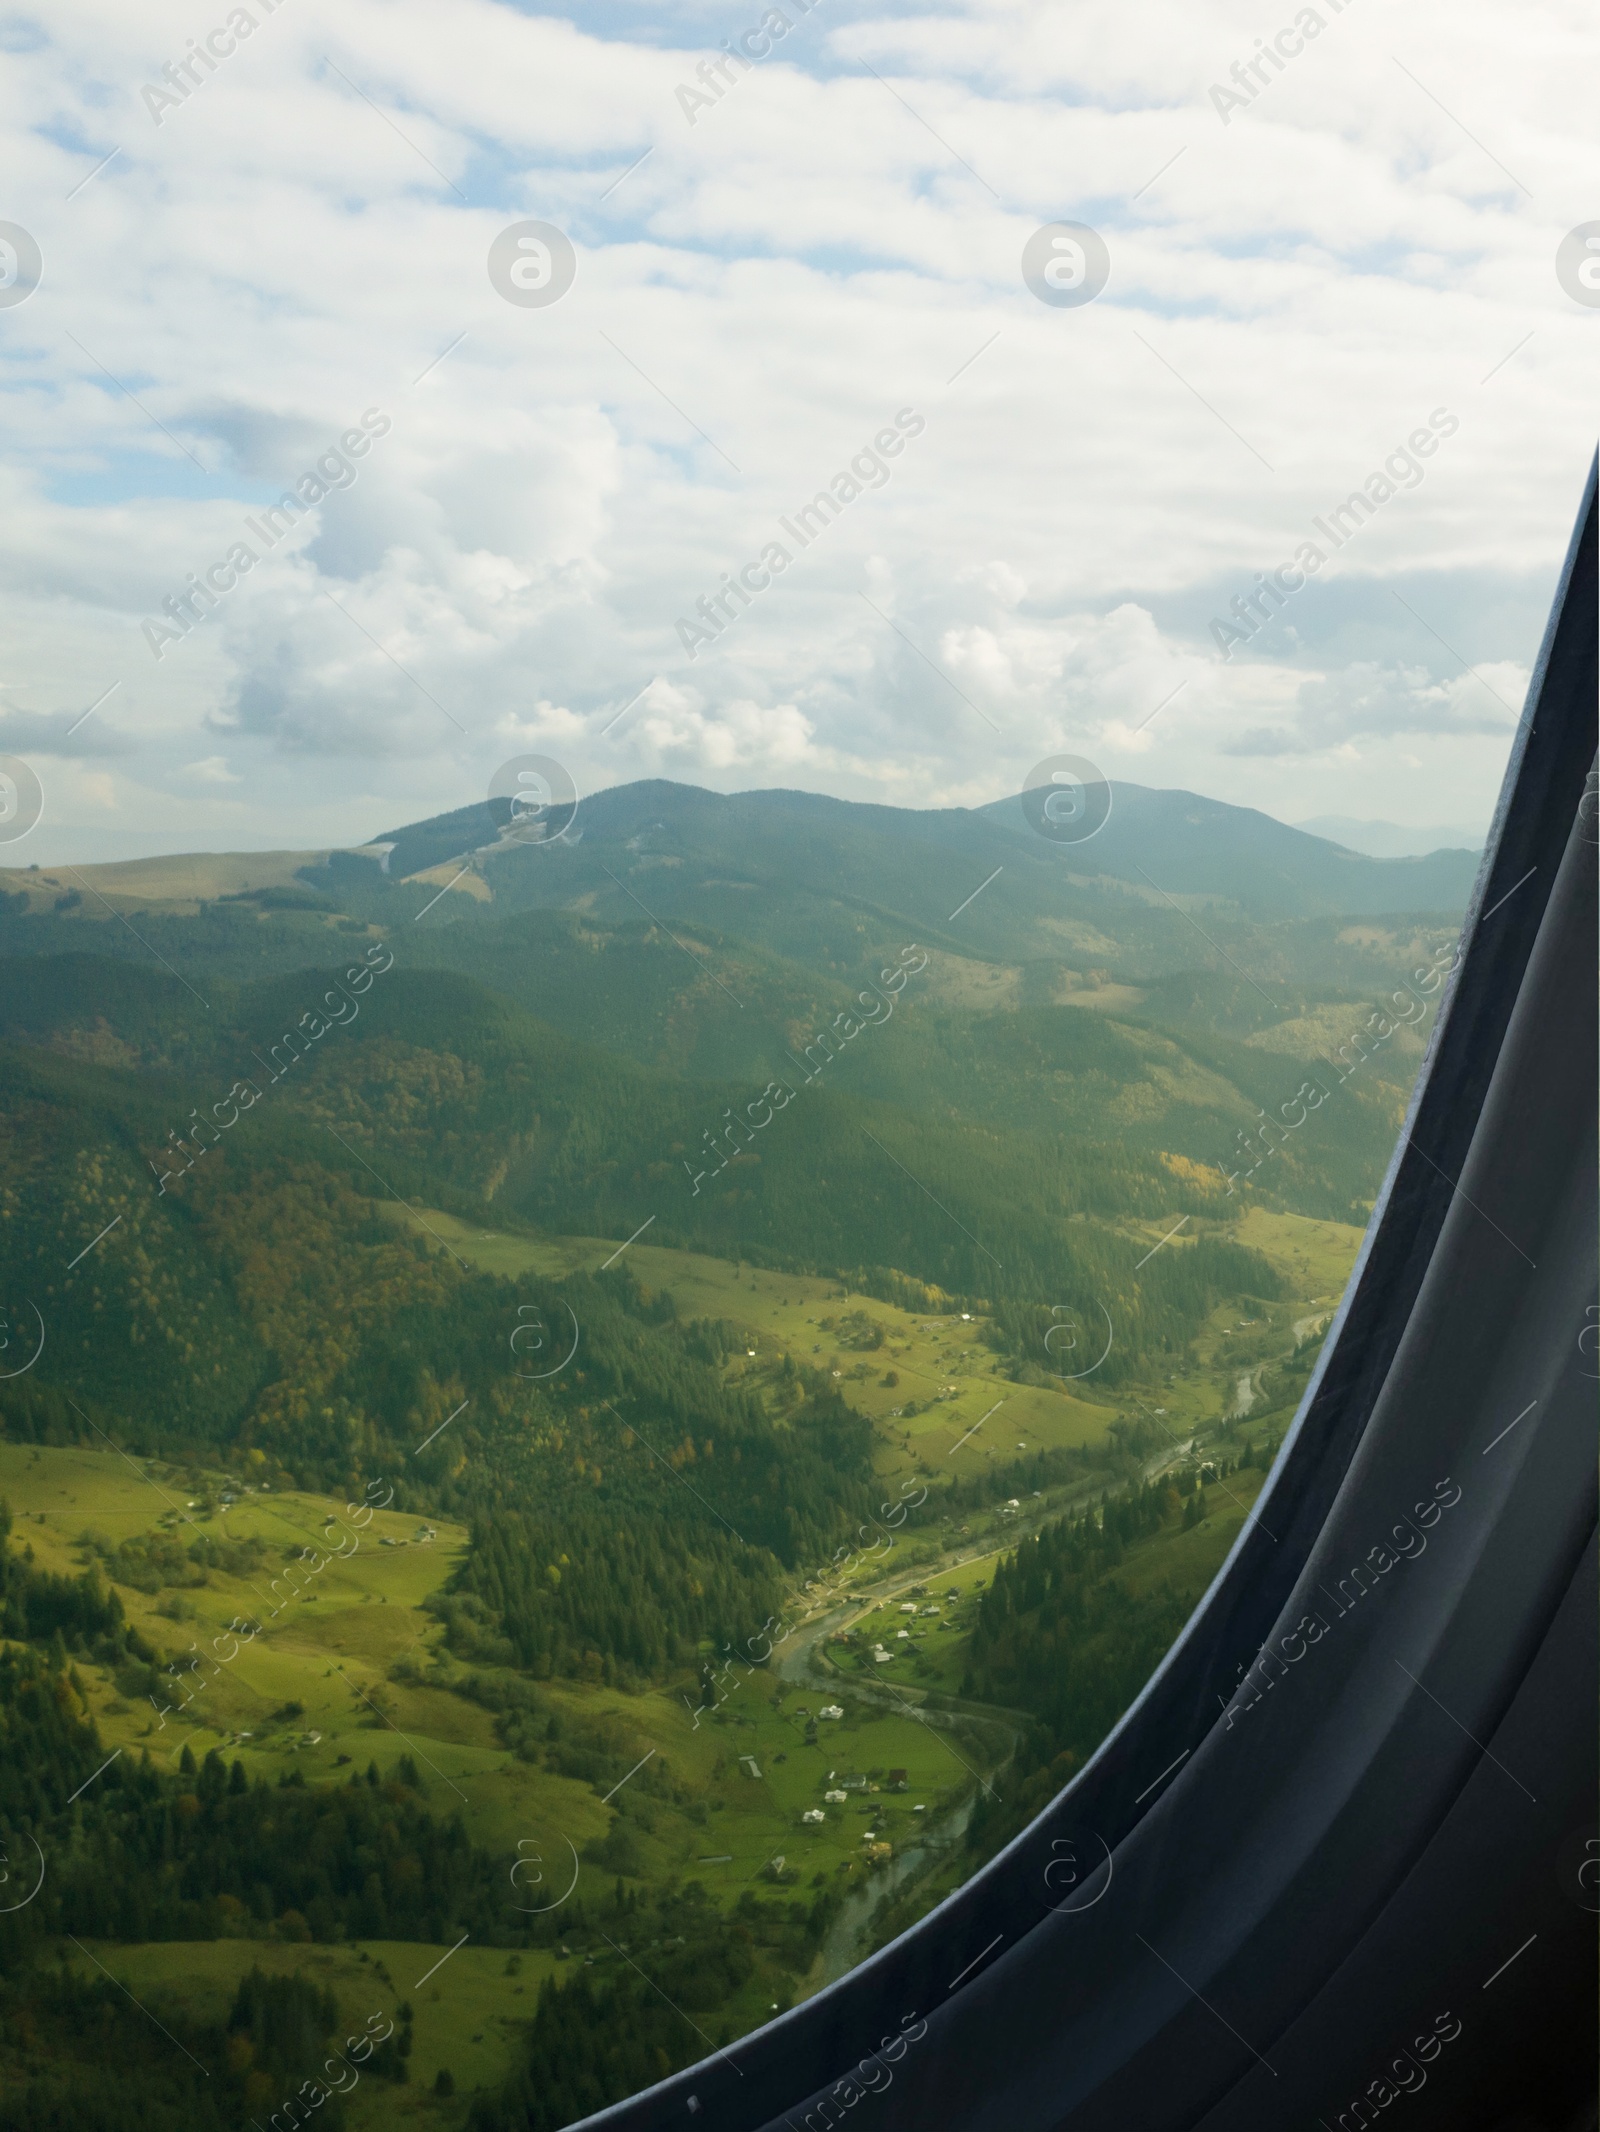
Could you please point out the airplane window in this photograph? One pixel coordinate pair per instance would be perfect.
(797, 1089)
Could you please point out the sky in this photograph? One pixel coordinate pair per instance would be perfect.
(1052, 459)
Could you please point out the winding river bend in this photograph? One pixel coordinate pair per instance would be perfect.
(850, 1935)
(798, 1659)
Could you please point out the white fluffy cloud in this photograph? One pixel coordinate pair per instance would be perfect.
(304, 237)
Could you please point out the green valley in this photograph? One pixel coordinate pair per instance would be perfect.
(586, 1431)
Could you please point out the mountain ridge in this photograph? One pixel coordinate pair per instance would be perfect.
(1204, 846)
(1167, 839)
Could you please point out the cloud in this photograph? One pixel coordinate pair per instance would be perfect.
(760, 741)
(758, 295)
(1367, 699)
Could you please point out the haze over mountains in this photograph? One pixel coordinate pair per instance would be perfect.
(1392, 840)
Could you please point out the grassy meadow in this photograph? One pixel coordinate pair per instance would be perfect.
(348, 1667)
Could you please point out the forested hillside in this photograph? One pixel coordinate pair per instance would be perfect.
(482, 1337)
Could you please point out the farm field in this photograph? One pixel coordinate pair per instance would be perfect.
(939, 1363)
(180, 882)
(467, 2014)
(347, 1667)
(326, 1687)
(314, 1694)
(349, 1671)
(965, 1408)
